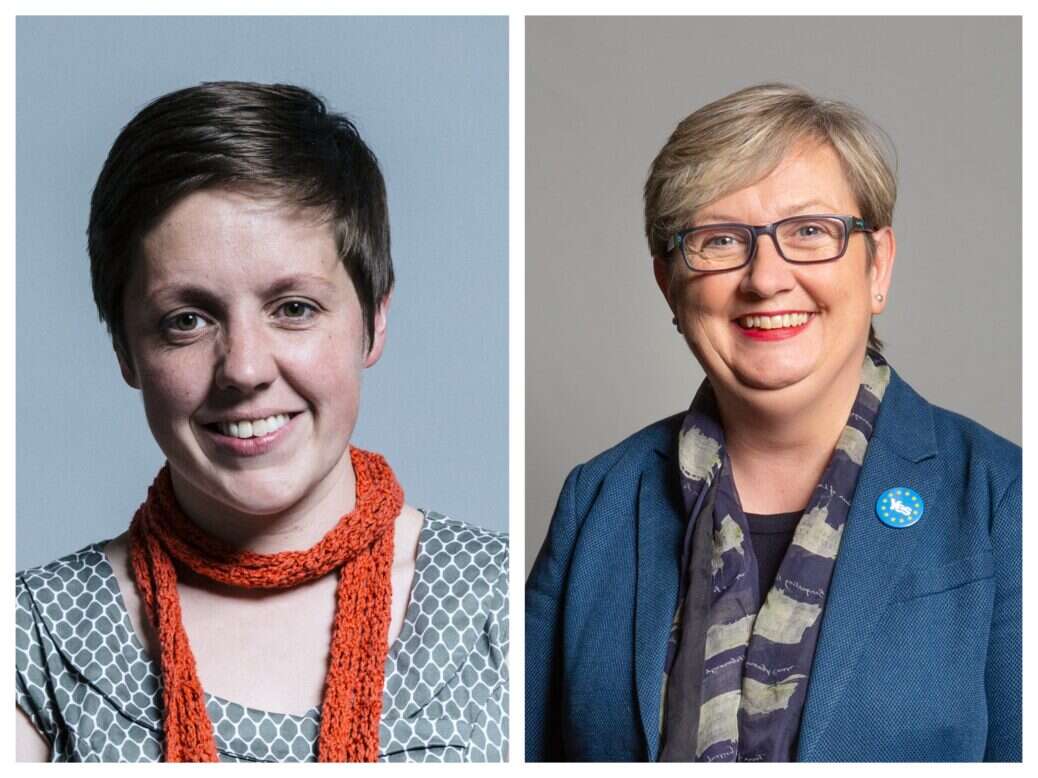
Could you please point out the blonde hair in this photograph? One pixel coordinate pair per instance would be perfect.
(736, 141)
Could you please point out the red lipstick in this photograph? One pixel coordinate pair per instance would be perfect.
(777, 333)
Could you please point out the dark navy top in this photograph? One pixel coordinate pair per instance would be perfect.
(771, 535)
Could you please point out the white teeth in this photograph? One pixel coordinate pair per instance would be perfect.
(253, 428)
(775, 322)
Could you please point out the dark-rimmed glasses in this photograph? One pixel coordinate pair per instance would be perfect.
(713, 248)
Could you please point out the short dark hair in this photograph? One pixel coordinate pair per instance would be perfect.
(273, 140)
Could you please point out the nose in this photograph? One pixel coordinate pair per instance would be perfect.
(768, 274)
(245, 361)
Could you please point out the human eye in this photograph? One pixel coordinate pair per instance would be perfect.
(183, 323)
(720, 241)
(814, 230)
(296, 310)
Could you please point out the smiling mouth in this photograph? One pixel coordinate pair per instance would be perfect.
(776, 322)
(244, 429)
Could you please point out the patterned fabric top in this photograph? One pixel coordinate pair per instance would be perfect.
(84, 678)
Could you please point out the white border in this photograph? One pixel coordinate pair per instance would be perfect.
(517, 375)
(517, 302)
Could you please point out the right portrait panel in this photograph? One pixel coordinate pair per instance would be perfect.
(773, 389)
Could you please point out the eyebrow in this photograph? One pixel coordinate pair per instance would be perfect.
(713, 217)
(200, 295)
(296, 281)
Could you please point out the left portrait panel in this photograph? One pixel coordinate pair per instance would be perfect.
(262, 313)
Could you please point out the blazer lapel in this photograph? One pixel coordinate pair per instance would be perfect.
(661, 528)
(902, 452)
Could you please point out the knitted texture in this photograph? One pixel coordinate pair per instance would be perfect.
(360, 546)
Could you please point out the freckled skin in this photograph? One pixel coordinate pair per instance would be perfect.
(240, 348)
(825, 358)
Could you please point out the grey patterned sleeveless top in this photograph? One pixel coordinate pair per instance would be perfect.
(85, 681)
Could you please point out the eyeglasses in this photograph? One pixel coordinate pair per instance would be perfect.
(714, 248)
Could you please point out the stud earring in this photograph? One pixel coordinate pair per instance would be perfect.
(674, 321)
(879, 298)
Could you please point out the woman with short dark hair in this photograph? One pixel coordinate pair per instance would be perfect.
(239, 246)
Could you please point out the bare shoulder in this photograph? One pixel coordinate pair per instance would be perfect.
(118, 548)
(29, 744)
(406, 532)
(117, 552)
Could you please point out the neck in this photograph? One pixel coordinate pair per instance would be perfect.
(296, 528)
(780, 450)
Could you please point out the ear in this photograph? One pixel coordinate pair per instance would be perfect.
(126, 367)
(661, 269)
(378, 341)
(882, 270)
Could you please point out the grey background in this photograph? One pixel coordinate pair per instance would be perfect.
(429, 95)
(603, 95)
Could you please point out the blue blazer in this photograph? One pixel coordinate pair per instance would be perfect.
(918, 658)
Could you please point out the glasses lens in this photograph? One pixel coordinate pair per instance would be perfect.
(811, 239)
(717, 248)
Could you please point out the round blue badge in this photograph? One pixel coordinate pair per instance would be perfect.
(899, 507)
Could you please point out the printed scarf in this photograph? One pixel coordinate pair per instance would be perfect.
(737, 671)
(360, 546)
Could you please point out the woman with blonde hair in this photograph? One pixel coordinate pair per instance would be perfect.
(812, 563)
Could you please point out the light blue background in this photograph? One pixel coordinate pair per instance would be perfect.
(429, 95)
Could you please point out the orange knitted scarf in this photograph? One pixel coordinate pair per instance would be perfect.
(360, 546)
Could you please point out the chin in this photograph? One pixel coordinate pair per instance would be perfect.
(256, 497)
(770, 374)
(769, 382)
